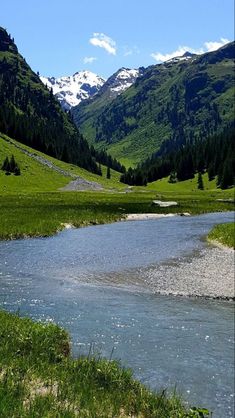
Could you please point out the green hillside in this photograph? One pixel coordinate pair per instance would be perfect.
(175, 101)
(35, 204)
(31, 114)
(38, 176)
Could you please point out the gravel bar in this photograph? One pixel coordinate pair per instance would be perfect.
(210, 273)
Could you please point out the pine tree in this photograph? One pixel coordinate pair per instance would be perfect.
(65, 155)
(200, 184)
(17, 170)
(108, 175)
(6, 165)
(99, 170)
(12, 164)
(211, 171)
(227, 178)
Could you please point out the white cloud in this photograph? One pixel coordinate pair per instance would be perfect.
(212, 46)
(103, 41)
(89, 60)
(207, 47)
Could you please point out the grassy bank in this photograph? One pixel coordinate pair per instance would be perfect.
(223, 234)
(38, 378)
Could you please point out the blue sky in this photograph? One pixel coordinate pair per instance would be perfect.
(61, 37)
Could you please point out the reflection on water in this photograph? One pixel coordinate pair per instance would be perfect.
(73, 279)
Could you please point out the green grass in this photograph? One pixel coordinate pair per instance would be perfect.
(39, 378)
(32, 204)
(34, 176)
(43, 214)
(223, 234)
(37, 177)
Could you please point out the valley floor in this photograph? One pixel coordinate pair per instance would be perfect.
(34, 203)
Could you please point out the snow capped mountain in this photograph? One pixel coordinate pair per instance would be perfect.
(124, 79)
(185, 57)
(121, 81)
(71, 90)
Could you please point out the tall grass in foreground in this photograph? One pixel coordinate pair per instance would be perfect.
(38, 378)
(223, 234)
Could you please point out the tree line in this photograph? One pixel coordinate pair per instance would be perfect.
(214, 155)
(31, 114)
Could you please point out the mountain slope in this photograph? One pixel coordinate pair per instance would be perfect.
(86, 112)
(174, 101)
(71, 90)
(31, 114)
(42, 173)
(119, 82)
(214, 154)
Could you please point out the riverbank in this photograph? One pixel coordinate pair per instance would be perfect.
(223, 235)
(209, 273)
(38, 377)
(44, 214)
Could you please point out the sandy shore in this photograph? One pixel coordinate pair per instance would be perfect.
(209, 273)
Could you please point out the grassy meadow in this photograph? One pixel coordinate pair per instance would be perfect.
(33, 204)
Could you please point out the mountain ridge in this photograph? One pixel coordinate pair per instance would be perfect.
(172, 100)
(71, 90)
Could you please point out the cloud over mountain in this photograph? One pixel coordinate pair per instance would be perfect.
(207, 47)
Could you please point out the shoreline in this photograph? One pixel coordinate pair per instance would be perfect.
(208, 275)
(219, 244)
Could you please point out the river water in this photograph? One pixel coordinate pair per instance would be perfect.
(89, 281)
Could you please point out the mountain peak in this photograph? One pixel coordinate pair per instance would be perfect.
(188, 54)
(185, 57)
(122, 80)
(71, 90)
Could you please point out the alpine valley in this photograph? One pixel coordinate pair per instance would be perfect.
(153, 146)
(182, 99)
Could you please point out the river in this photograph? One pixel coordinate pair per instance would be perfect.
(90, 281)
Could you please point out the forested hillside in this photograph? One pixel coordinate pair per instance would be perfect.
(30, 113)
(173, 101)
(216, 155)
